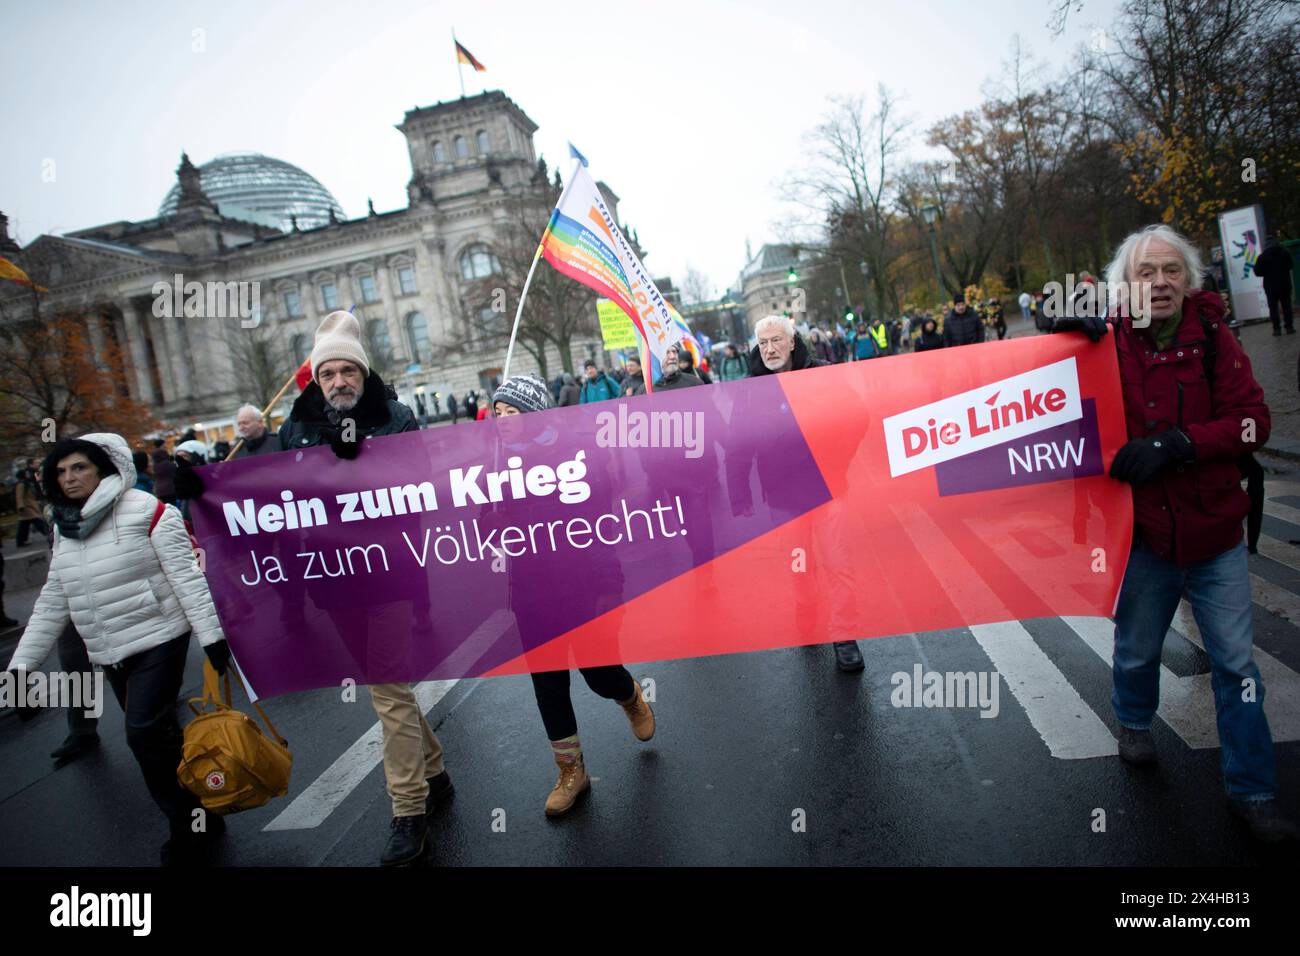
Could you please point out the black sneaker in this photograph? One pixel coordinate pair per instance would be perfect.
(1136, 746)
(406, 842)
(440, 789)
(847, 656)
(1265, 820)
(74, 746)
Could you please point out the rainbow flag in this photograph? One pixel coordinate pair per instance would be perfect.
(464, 56)
(583, 242)
(14, 274)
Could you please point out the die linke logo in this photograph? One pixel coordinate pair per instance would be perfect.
(983, 417)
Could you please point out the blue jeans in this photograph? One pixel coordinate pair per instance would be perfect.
(1218, 590)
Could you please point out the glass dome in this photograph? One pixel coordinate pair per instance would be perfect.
(261, 189)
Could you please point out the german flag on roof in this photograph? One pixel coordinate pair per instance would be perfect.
(464, 56)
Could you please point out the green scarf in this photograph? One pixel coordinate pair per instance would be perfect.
(1165, 332)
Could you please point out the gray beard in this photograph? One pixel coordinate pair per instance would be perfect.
(342, 403)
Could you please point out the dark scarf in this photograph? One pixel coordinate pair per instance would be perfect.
(371, 410)
(67, 515)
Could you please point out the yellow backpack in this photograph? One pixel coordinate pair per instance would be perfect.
(226, 760)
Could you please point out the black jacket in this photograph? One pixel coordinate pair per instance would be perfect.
(929, 340)
(268, 443)
(1274, 266)
(801, 357)
(680, 380)
(962, 329)
(634, 385)
(378, 413)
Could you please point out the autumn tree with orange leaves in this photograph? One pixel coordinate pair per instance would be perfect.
(55, 380)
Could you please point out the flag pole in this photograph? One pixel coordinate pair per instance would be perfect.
(460, 68)
(537, 257)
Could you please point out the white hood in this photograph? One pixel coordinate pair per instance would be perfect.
(112, 488)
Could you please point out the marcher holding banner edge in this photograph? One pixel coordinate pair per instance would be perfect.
(344, 403)
(1194, 410)
(517, 396)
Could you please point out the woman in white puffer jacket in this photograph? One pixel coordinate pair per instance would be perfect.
(127, 578)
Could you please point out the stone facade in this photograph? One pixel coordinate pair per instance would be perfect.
(404, 272)
(765, 285)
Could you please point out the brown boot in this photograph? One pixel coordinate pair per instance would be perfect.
(571, 785)
(639, 714)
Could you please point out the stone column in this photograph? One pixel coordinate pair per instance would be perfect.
(138, 355)
(95, 330)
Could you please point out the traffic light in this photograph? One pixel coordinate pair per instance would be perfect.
(792, 277)
(849, 316)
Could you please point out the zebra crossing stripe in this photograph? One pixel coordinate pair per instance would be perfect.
(311, 807)
(1281, 683)
(1186, 703)
(1069, 727)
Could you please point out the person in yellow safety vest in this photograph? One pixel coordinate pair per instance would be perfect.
(880, 337)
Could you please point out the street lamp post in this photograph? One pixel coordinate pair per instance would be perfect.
(930, 213)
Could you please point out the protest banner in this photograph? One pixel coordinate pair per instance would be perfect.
(908, 494)
(616, 329)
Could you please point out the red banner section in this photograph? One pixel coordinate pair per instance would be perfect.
(967, 486)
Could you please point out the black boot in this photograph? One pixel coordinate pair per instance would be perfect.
(847, 656)
(406, 842)
(1136, 746)
(1265, 820)
(440, 789)
(75, 745)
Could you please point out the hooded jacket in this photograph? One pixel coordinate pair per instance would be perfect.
(569, 392)
(377, 413)
(124, 590)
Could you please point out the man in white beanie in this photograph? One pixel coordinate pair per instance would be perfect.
(345, 403)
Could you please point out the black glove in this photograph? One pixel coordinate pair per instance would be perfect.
(1093, 326)
(26, 712)
(187, 482)
(219, 656)
(347, 450)
(1143, 458)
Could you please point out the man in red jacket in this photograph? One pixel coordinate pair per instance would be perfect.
(1193, 411)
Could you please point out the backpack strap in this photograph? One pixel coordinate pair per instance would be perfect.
(1210, 357)
(1250, 467)
(216, 693)
(157, 515)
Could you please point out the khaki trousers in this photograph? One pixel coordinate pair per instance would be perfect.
(412, 753)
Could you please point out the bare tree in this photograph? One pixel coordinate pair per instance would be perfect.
(558, 310)
(696, 287)
(260, 361)
(851, 179)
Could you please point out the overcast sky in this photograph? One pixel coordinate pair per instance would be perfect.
(693, 112)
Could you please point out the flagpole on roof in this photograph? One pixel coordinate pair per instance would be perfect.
(537, 256)
(460, 68)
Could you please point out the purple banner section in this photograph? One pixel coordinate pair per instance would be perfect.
(446, 552)
(1068, 451)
